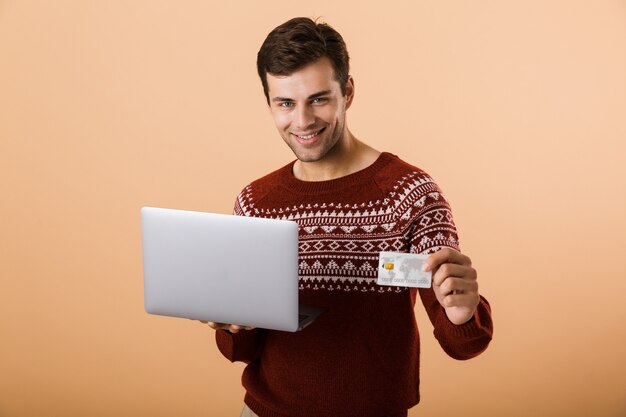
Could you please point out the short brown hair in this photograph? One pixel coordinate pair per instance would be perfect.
(298, 42)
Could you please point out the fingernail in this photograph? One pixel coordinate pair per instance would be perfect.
(425, 267)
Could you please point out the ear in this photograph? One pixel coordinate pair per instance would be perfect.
(349, 91)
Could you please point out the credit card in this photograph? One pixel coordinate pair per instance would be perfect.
(403, 270)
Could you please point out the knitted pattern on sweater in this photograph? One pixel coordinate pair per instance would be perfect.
(361, 358)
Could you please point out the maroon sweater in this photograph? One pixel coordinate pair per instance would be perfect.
(360, 358)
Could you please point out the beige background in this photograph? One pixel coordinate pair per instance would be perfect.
(516, 108)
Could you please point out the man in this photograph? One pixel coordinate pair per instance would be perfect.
(351, 202)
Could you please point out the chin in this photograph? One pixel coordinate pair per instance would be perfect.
(312, 155)
(305, 155)
(308, 158)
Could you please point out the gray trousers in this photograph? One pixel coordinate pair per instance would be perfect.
(246, 412)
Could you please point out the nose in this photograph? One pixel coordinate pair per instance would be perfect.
(304, 117)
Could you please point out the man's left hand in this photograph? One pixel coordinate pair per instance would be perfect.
(454, 283)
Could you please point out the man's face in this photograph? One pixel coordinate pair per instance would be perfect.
(309, 109)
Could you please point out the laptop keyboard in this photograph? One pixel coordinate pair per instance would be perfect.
(302, 317)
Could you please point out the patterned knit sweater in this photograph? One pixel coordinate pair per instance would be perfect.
(360, 358)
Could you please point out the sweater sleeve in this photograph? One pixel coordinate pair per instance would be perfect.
(243, 346)
(459, 341)
(434, 229)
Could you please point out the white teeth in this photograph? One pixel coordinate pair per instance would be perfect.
(312, 135)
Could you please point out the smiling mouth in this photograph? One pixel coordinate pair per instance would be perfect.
(309, 136)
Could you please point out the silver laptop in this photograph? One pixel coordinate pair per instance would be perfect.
(222, 268)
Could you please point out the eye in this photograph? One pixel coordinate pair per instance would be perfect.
(285, 104)
(319, 100)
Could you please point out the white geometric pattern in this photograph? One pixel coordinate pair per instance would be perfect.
(351, 246)
(339, 242)
(367, 246)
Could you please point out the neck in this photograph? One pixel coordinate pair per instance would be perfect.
(347, 157)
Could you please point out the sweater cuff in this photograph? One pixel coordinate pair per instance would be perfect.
(241, 346)
(478, 325)
(469, 339)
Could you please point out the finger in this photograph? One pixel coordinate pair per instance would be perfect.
(445, 255)
(469, 300)
(233, 328)
(203, 321)
(453, 270)
(452, 286)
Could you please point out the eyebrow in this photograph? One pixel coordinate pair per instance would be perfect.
(311, 97)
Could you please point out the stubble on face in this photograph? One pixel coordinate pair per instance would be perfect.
(327, 146)
(306, 102)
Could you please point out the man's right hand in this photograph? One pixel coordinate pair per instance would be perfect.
(233, 328)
